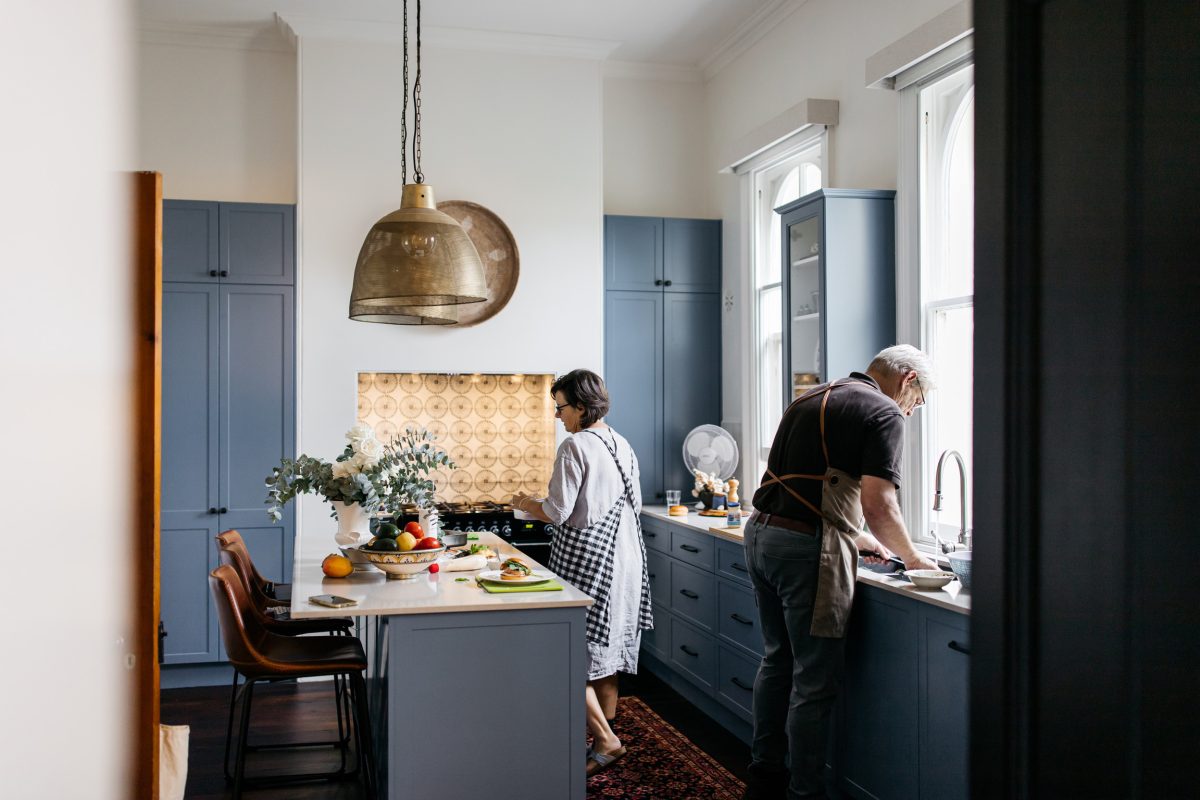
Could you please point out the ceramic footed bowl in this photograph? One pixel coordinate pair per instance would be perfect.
(960, 562)
(402, 565)
(929, 578)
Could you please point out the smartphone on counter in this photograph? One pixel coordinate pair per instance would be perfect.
(332, 600)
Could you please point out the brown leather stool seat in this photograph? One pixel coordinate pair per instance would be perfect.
(259, 654)
(278, 593)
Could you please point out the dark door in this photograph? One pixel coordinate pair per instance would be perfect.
(257, 241)
(691, 351)
(692, 255)
(633, 253)
(633, 370)
(189, 241)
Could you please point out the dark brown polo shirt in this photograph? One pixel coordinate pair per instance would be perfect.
(865, 434)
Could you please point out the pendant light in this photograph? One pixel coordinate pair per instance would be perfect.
(416, 264)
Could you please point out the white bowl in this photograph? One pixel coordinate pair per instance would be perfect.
(402, 565)
(929, 578)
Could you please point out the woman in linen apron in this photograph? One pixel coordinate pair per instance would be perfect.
(594, 501)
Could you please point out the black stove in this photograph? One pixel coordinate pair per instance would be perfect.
(530, 536)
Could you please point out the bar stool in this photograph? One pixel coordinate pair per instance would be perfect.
(232, 551)
(281, 592)
(261, 655)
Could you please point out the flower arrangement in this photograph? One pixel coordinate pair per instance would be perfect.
(369, 472)
(711, 484)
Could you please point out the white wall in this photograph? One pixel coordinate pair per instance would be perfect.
(219, 122)
(820, 51)
(519, 134)
(65, 420)
(655, 149)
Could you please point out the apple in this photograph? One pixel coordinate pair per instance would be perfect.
(406, 541)
(428, 543)
(415, 529)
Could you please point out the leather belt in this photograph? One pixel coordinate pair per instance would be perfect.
(784, 522)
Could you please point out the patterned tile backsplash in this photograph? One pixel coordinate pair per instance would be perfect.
(499, 429)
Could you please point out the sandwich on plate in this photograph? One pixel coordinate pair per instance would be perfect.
(514, 569)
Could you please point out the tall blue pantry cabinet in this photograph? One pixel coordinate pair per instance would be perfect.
(228, 409)
(662, 338)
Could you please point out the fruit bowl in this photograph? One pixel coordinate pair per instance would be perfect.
(357, 557)
(402, 565)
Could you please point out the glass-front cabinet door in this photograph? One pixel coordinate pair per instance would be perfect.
(803, 248)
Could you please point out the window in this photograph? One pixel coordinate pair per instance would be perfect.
(940, 266)
(786, 177)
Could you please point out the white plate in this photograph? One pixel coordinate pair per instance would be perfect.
(493, 575)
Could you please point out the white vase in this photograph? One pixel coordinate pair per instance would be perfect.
(430, 522)
(354, 524)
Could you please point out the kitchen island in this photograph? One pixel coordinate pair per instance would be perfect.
(469, 691)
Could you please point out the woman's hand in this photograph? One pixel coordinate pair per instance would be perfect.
(518, 501)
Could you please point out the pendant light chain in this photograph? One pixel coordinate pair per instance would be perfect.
(418, 176)
(404, 108)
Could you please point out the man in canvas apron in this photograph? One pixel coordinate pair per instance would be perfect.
(835, 460)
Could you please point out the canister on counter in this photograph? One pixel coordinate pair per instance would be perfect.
(733, 515)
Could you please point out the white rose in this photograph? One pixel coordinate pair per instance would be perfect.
(342, 469)
(371, 448)
(359, 432)
(363, 461)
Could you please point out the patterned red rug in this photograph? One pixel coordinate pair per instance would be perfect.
(661, 763)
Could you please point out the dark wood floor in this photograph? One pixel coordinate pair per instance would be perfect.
(304, 712)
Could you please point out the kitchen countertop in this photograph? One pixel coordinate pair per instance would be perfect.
(426, 593)
(952, 597)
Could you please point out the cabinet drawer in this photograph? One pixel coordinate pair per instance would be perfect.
(731, 561)
(693, 653)
(693, 594)
(737, 616)
(735, 680)
(658, 567)
(658, 640)
(694, 548)
(656, 534)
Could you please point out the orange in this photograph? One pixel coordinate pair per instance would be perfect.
(336, 566)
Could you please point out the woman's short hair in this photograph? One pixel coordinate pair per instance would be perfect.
(901, 359)
(584, 389)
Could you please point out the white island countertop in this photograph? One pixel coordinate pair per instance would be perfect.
(952, 597)
(426, 593)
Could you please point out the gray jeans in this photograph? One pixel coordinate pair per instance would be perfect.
(798, 678)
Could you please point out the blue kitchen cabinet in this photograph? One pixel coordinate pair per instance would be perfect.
(191, 332)
(633, 373)
(839, 288)
(662, 340)
(943, 713)
(211, 242)
(228, 415)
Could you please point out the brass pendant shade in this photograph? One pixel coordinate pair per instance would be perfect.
(415, 266)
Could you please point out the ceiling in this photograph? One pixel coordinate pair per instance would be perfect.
(685, 33)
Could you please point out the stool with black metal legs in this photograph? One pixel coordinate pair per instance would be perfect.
(260, 655)
(279, 593)
(233, 553)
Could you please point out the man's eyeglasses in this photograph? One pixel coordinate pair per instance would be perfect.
(921, 399)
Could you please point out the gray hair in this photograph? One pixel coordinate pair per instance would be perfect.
(903, 358)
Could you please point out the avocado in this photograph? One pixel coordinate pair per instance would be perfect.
(387, 530)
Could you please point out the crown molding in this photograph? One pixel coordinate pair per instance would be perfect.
(647, 71)
(305, 25)
(805, 114)
(227, 37)
(746, 35)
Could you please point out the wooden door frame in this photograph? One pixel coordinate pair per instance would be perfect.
(147, 409)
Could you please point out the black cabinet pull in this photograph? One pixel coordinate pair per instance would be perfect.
(659, 495)
(652, 576)
(689, 594)
(958, 648)
(666, 283)
(689, 651)
(212, 511)
(689, 548)
(658, 282)
(224, 273)
(738, 567)
(212, 273)
(223, 510)
(741, 619)
(737, 682)
(649, 534)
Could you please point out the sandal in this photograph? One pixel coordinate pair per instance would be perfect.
(598, 762)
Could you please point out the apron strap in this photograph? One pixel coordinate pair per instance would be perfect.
(780, 480)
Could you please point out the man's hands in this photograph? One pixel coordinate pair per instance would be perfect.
(882, 510)
(867, 543)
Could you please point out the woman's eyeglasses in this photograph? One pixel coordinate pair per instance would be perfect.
(559, 407)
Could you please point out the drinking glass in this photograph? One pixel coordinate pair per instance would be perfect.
(672, 497)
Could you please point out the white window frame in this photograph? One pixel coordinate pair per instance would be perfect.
(751, 173)
(912, 315)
